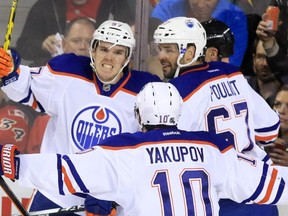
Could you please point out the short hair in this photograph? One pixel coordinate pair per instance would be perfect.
(83, 20)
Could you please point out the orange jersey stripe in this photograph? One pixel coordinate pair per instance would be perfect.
(266, 138)
(162, 142)
(208, 81)
(67, 181)
(270, 187)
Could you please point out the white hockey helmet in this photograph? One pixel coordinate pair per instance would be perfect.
(158, 103)
(182, 31)
(115, 32)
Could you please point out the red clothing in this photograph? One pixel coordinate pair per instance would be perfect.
(14, 127)
(36, 134)
(86, 10)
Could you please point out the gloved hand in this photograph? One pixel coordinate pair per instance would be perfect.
(9, 65)
(9, 163)
(98, 207)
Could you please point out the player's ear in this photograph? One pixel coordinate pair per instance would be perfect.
(189, 55)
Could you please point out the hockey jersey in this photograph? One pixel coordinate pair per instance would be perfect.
(83, 111)
(14, 125)
(217, 98)
(160, 172)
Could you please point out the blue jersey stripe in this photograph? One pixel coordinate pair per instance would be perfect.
(260, 186)
(75, 174)
(59, 171)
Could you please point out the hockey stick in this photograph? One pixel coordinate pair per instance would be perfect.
(13, 197)
(10, 25)
(20, 207)
(59, 211)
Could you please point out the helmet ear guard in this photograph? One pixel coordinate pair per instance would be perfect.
(158, 103)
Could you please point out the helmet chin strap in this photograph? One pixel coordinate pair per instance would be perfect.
(182, 65)
(115, 77)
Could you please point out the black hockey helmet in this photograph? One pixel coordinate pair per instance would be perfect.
(219, 36)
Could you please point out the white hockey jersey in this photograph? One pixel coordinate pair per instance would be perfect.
(160, 172)
(218, 99)
(83, 111)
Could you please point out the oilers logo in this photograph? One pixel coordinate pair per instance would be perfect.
(93, 124)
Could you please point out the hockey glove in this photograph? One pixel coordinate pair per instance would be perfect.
(9, 163)
(97, 207)
(9, 65)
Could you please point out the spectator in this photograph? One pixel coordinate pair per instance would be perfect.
(204, 10)
(265, 82)
(86, 104)
(77, 37)
(276, 57)
(159, 171)
(247, 63)
(281, 34)
(217, 98)
(48, 17)
(252, 6)
(278, 150)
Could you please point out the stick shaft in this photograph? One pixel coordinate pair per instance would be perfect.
(10, 25)
(13, 197)
(59, 211)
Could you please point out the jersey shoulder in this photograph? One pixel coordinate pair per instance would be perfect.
(158, 136)
(138, 79)
(72, 65)
(194, 78)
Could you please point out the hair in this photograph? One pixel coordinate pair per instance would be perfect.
(271, 99)
(255, 44)
(153, 127)
(82, 20)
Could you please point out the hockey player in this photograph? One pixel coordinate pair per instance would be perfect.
(86, 104)
(160, 171)
(14, 123)
(220, 41)
(217, 97)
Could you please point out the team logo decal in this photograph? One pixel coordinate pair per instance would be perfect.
(189, 23)
(93, 124)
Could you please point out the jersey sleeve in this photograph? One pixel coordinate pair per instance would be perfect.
(108, 174)
(70, 174)
(246, 174)
(266, 120)
(36, 87)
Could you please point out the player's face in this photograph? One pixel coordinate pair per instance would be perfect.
(260, 65)
(202, 9)
(281, 105)
(167, 55)
(78, 40)
(109, 60)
